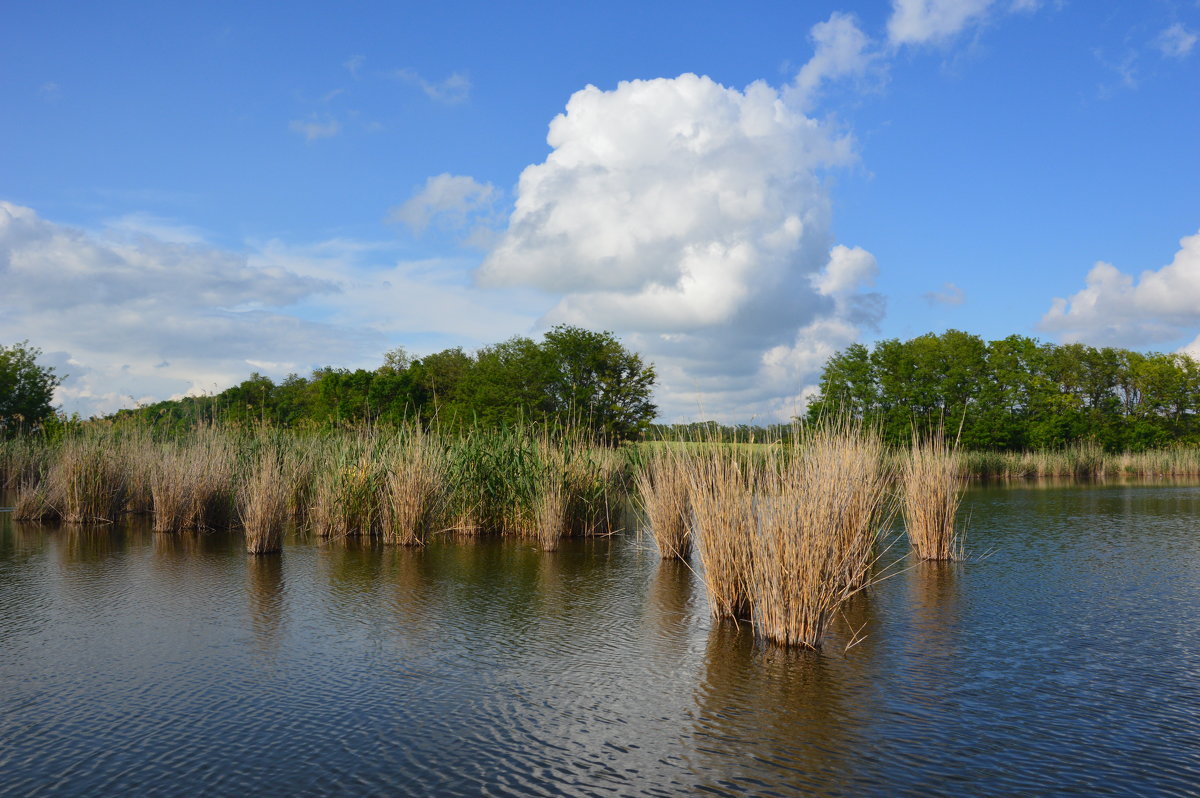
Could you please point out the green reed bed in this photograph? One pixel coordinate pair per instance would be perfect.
(348, 487)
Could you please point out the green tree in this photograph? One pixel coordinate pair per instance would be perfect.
(591, 379)
(26, 389)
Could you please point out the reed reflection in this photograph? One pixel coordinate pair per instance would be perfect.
(793, 718)
(92, 544)
(933, 599)
(409, 576)
(265, 594)
(670, 608)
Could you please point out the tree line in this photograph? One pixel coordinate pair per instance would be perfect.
(1016, 393)
(571, 378)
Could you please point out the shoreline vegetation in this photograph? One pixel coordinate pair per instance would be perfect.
(782, 534)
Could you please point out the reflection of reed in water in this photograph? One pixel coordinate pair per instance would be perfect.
(353, 568)
(790, 717)
(854, 630)
(177, 547)
(670, 604)
(408, 576)
(90, 544)
(26, 536)
(934, 595)
(264, 590)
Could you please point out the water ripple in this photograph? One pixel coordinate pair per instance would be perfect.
(1066, 662)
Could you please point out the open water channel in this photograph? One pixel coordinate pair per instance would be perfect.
(1063, 658)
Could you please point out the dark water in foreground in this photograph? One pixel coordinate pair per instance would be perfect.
(1067, 661)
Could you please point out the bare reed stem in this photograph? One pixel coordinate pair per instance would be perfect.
(932, 490)
(411, 491)
(662, 484)
(263, 504)
(722, 489)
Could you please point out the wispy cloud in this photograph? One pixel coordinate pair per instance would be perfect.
(932, 21)
(133, 316)
(316, 127)
(950, 294)
(840, 49)
(1176, 41)
(353, 64)
(453, 89)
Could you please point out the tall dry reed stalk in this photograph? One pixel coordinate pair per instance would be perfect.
(193, 482)
(551, 508)
(89, 478)
(722, 488)
(818, 516)
(37, 500)
(171, 484)
(933, 486)
(662, 486)
(263, 503)
(415, 476)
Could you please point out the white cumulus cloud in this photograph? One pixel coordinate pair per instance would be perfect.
(1114, 308)
(690, 218)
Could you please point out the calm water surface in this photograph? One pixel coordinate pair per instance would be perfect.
(1066, 661)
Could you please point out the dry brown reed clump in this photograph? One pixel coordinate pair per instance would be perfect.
(171, 479)
(88, 479)
(933, 486)
(662, 485)
(819, 513)
(36, 500)
(263, 503)
(192, 484)
(550, 494)
(722, 487)
(140, 455)
(24, 459)
(550, 508)
(415, 475)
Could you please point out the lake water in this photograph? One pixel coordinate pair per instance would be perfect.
(1066, 661)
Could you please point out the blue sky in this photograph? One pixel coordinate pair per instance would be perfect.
(192, 193)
